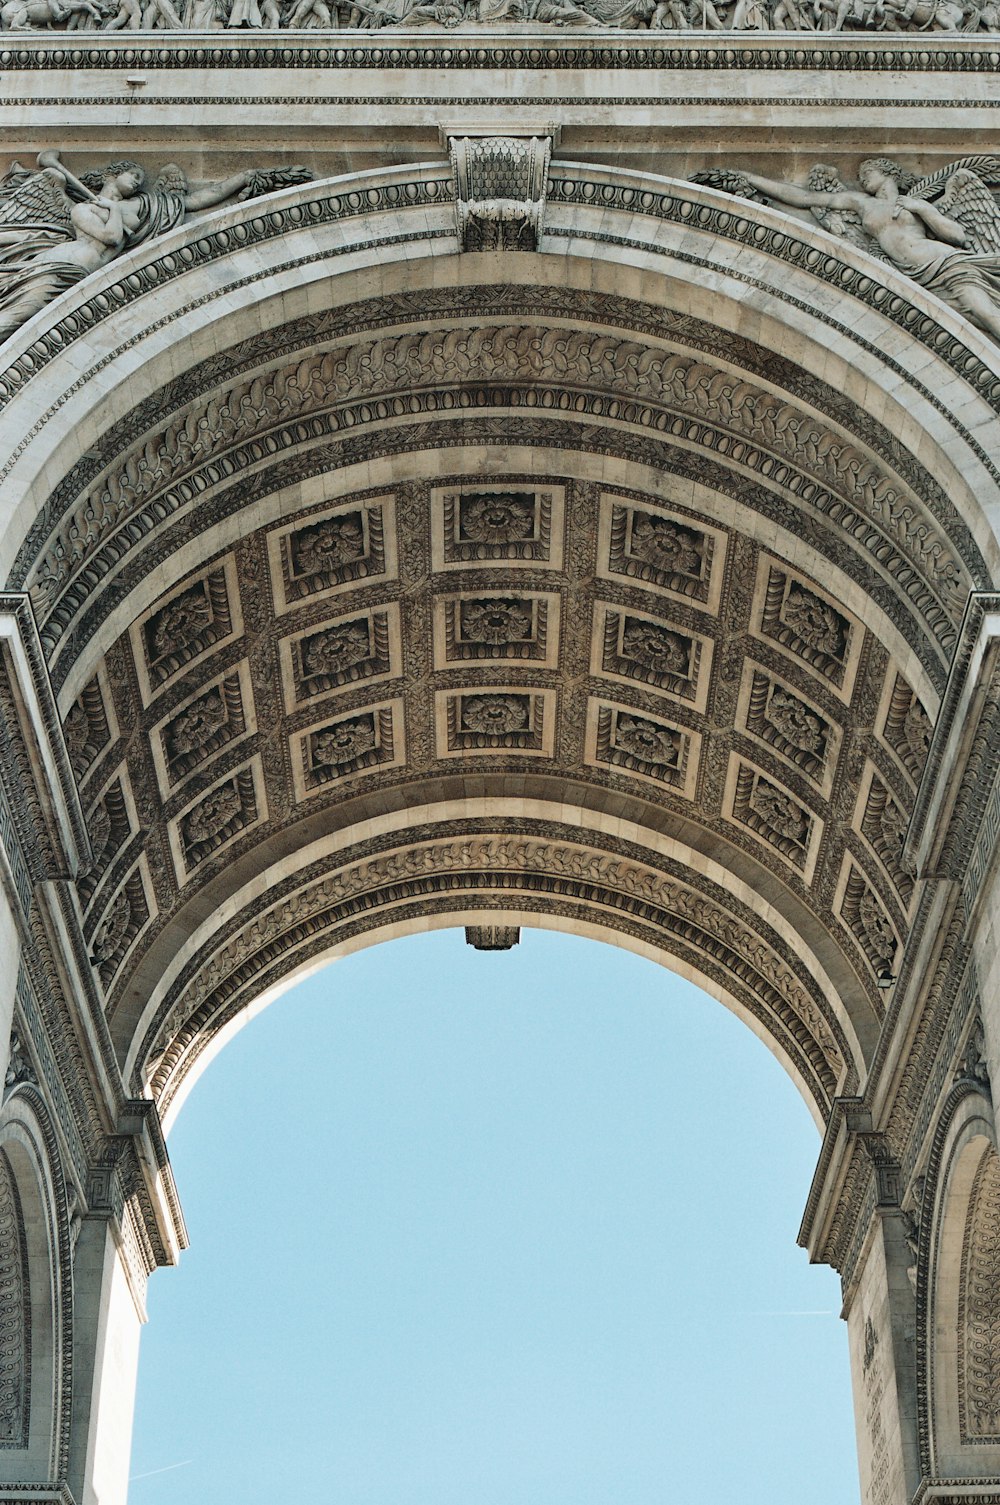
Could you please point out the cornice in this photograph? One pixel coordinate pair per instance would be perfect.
(527, 47)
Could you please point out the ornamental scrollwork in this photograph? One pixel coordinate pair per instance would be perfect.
(515, 354)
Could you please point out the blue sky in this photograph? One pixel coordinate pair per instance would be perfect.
(494, 1229)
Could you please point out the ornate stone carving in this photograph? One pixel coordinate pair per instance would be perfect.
(492, 937)
(747, 954)
(647, 740)
(979, 1308)
(749, 17)
(217, 817)
(942, 230)
(111, 932)
(60, 227)
(494, 715)
(797, 724)
(500, 184)
(973, 1066)
(773, 814)
(657, 649)
(495, 620)
(333, 651)
(344, 743)
(196, 725)
(15, 1315)
(19, 1067)
(482, 523)
(211, 817)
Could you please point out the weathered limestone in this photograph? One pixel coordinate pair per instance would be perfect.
(527, 534)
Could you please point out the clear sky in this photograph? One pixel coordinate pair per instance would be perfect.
(494, 1229)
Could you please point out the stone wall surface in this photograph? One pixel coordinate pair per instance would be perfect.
(530, 465)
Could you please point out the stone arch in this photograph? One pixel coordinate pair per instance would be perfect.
(678, 462)
(958, 1327)
(37, 1290)
(616, 584)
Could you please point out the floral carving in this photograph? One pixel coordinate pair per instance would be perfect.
(337, 745)
(779, 811)
(495, 621)
(76, 728)
(917, 732)
(893, 823)
(180, 622)
(336, 649)
(99, 828)
(795, 721)
(878, 932)
(665, 544)
(196, 725)
(647, 741)
(497, 517)
(655, 648)
(815, 622)
(329, 544)
(113, 928)
(213, 814)
(496, 715)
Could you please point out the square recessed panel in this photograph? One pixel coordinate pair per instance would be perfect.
(360, 646)
(642, 746)
(883, 821)
(114, 928)
(185, 627)
(112, 821)
(866, 917)
(217, 715)
(654, 546)
(513, 523)
(779, 819)
(904, 726)
(90, 725)
(505, 626)
(652, 651)
(813, 628)
(491, 719)
(343, 746)
(791, 726)
(327, 552)
(218, 817)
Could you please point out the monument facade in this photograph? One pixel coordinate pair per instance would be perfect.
(498, 464)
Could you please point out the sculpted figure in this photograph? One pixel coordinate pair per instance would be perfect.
(55, 228)
(951, 245)
(40, 257)
(30, 15)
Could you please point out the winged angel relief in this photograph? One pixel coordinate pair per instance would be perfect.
(942, 230)
(55, 228)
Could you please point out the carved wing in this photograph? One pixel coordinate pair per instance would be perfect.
(34, 198)
(962, 193)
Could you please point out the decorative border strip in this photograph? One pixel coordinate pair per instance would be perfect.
(543, 51)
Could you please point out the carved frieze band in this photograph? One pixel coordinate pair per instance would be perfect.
(599, 880)
(15, 1316)
(869, 507)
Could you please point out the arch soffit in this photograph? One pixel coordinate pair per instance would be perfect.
(944, 558)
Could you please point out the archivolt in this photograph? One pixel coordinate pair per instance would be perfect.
(739, 542)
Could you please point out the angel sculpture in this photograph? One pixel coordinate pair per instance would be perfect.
(942, 230)
(55, 228)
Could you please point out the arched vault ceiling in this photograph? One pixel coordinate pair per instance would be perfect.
(498, 601)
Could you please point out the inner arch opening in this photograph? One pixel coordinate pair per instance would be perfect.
(512, 1226)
